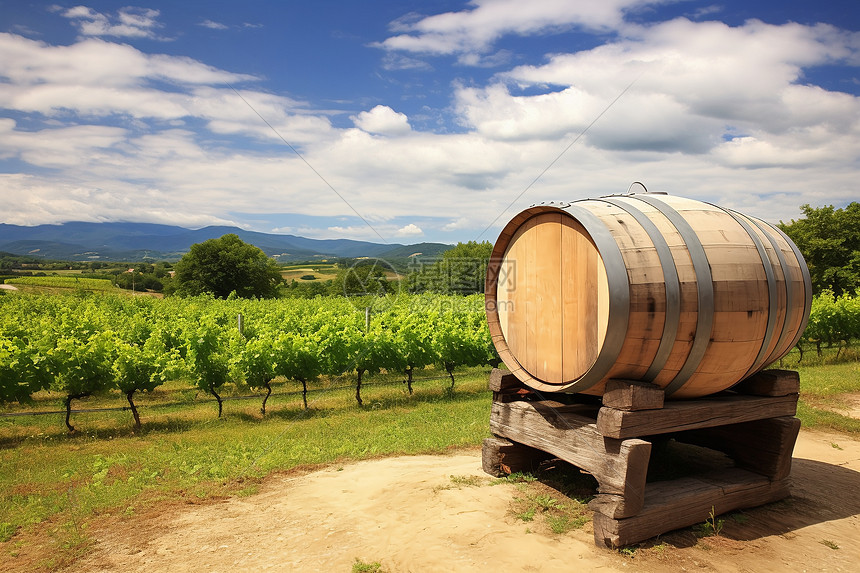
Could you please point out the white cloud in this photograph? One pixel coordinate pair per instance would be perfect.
(382, 120)
(473, 31)
(99, 79)
(211, 24)
(128, 22)
(717, 113)
(410, 230)
(692, 82)
(60, 147)
(98, 63)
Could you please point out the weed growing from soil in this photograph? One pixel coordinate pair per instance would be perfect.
(361, 567)
(712, 527)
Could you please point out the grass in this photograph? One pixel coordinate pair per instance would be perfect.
(559, 496)
(829, 379)
(360, 566)
(52, 483)
(821, 387)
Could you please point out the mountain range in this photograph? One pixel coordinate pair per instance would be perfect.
(78, 241)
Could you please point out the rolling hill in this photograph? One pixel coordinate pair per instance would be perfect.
(78, 241)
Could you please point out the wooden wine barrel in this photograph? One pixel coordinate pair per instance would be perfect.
(652, 287)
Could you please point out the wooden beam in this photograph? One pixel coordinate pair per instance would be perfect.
(761, 446)
(770, 383)
(501, 380)
(632, 395)
(501, 457)
(689, 415)
(620, 466)
(687, 501)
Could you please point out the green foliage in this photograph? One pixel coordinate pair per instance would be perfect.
(81, 364)
(224, 265)
(830, 242)
(308, 289)
(144, 361)
(143, 277)
(208, 357)
(832, 320)
(460, 270)
(364, 277)
(88, 345)
(23, 369)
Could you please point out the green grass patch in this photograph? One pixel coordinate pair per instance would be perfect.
(556, 500)
(360, 566)
(821, 388)
(829, 380)
(820, 418)
(52, 483)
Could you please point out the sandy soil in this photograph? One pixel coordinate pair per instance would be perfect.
(409, 515)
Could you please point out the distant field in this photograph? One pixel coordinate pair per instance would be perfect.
(64, 282)
(321, 271)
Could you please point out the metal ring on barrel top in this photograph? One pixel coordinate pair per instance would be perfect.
(704, 288)
(672, 316)
(619, 296)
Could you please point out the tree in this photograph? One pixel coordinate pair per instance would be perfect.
(224, 265)
(460, 270)
(365, 277)
(829, 240)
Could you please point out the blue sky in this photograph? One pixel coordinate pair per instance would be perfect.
(406, 121)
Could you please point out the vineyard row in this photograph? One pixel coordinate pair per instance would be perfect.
(84, 345)
(79, 345)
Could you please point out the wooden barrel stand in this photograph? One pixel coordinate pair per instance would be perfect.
(753, 424)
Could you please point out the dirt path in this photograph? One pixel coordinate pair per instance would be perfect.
(409, 515)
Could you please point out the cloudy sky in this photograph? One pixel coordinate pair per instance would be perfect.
(403, 121)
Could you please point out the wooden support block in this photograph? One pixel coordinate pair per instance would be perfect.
(632, 395)
(688, 415)
(501, 457)
(615, 506)
(761, 446)
(680, 503)
(620, 466)
(770, 383)
(502, 380)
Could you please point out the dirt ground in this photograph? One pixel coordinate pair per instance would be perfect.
(407, 514)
